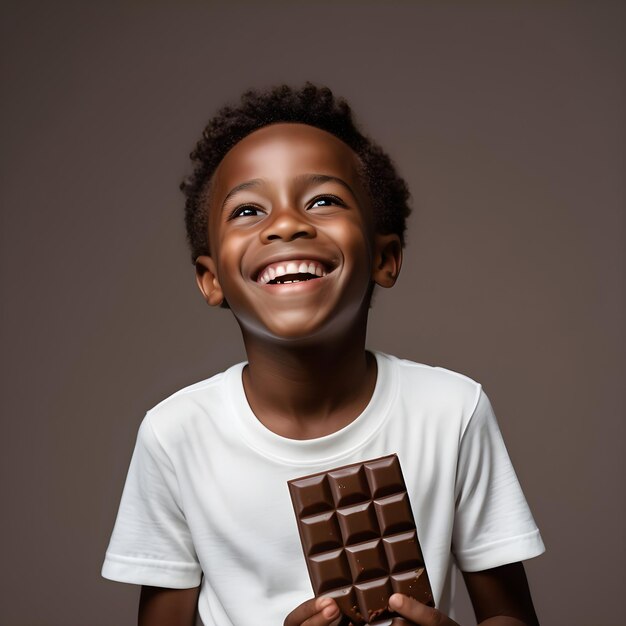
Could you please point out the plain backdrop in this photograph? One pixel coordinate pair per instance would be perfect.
(505, 118)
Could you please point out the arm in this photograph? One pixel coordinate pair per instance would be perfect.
(159, 606)
(501, 591)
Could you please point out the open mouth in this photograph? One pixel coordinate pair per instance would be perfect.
(289, 272)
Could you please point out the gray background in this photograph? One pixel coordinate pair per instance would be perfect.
(506, 118)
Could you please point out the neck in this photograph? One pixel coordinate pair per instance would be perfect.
(308, 390)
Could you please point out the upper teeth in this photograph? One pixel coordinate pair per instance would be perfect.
(282, 268)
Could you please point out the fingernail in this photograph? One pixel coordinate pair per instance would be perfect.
(330, 611)
(396, 601)
(323, 603)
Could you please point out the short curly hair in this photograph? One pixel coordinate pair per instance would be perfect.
(312, 105)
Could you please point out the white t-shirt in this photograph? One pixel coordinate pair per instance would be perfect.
(206, 496)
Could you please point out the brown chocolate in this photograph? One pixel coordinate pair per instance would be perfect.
(359, 538)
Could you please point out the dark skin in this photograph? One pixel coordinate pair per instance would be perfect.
(292, 194)
(168, 607)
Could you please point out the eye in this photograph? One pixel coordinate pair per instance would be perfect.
(322, 202)
(247, 210)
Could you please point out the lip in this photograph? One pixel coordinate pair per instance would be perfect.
(329, 265)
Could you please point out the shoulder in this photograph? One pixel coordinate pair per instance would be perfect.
(430, 380)
(439, 391)
(179, 414)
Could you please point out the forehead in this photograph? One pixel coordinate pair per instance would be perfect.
(283, 151)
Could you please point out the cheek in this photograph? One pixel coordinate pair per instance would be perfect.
(234, 267)
(355, 241)
(231, 249)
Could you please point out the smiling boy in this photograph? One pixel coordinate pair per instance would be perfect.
(294, 217)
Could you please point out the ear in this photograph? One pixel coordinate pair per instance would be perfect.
(387, 259)
(206, 277)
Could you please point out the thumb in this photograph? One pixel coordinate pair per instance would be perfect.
(417, 612)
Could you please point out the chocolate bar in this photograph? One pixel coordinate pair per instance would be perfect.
(359, 538)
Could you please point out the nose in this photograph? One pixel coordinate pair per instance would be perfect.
(287, 224)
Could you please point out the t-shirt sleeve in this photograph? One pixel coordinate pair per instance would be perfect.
(493, 523)
(151, 543)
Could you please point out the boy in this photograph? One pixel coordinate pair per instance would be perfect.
(293, 217)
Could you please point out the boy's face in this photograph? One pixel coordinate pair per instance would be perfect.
(291, 233)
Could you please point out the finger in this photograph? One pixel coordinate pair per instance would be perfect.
(328, 612)
(417, 612)
(314, 612)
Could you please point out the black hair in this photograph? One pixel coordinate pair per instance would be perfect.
(312, 105)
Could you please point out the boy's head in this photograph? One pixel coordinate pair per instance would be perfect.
(311, 105)
(295, 223)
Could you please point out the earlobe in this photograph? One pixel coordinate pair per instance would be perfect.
(387, 259)
(209, 285)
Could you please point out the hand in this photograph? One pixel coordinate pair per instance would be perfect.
(325, 612)
(314, 612)
(419, 614)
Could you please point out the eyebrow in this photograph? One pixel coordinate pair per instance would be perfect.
(318, 179)
(311, 179)
(255, 182)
